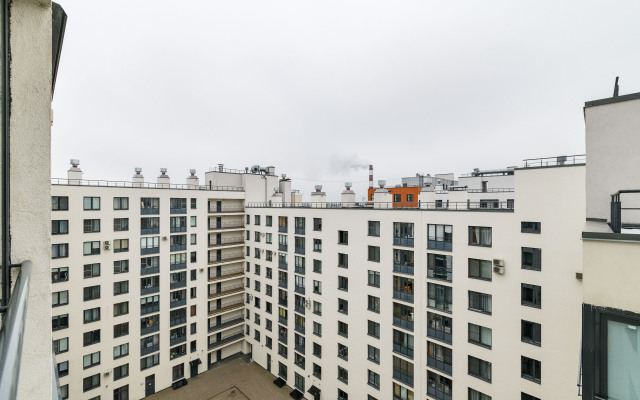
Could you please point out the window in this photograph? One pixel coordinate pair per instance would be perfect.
(59, 203)
(374, 278)
(480, 335)
(60, 322)
(282, 370)
(373, 379)
(149, 361)
(91, 382)
(120, 266)
(343, 306)
(59, 227)
(269, 220)
(60, 250)
(531, 332)
(317, 329)
(374, 253)
(525, 396)
(439, 266)
(374, 228)
(480, 269)
(92, 315)
(440, 297)
(373, 329)
(317, 224)
(479, 236)
(373, 303)
(91, 270)
(317, 350)
(59, 274)
(121, 371)
(149, 245)
(531, 295)
(194, 238)
(193, 221)
(343, 260)
(475, 395)
(150, 225)
(397, 198)
(256, 220)
(343, 329)
(317, 245)
(91, 360)
(409, 197)
(530, 227)
(480, 302)
(63, 368)
(193, 310)
(91, 203)
(64, 391)
(60, 298)
(121, 308)
(317, 371)
(194, 203)
(403, 234)
(91, 248)
(61, 345)
(120, 330)
(178, 205)
(343, 283)
(531, 258)
(343, 375)
(120, 245)
(91, 337)
(177, 372)
(120, 224)
(192, 292)
(120, 203)
(480, 368)
(120, 350)
(317, 287)
(193, 274)
(373, 354)
(342, 395)
(91, 293)
(530, 369)
(343, 237)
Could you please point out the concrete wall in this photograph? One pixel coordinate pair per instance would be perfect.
(30, 173)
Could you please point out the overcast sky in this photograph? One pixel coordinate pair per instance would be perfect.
(321, 89)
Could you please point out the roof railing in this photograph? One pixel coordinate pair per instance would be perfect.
(144, 185)
(439, 205)
(556, 161)
(616, 222)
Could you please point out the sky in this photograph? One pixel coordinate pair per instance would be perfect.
(322, 89)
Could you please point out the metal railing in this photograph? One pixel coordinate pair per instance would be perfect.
(227, 241)
(226, 273)
(225, 257)
(227, 225)
(415, 205)
(12, 335)
(226, 290)
(228, 338)
(145, 185)
(226, 209)
(556, 161)
(616, 222)
(225, 323)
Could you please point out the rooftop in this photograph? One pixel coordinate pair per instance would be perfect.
(140, 185)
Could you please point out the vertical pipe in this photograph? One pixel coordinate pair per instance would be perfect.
(6, 152)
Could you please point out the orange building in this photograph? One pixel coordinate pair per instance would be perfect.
(402, 196)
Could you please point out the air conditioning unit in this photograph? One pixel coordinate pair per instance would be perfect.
(498, 262)
(107, 244)
(107, 372)
(201, 269)
(307, 303)
(498, 270)
(262, 234)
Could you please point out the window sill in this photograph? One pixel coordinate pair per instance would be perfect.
(531, 268)
(530, 378)
(480, 377)
(374, 361)
(373, 386)
(479, 344)
(373, 285)
(478, 278)
(372, 310)
(479, 311)
(479, 245)
(450, 312)
(532, 342)
(538, 306)
(373, 336)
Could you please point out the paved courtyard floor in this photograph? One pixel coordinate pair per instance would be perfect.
(235, 380)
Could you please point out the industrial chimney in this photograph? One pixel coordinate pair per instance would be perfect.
(370, 176)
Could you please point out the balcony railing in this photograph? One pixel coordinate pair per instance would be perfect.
(149, 290)
(226, 257)
(300, 231)
(439, 392)
(175, 229)
(283, 247)
(283, 229)
(283, 265)
(226, 339)
(283, 321)
(299, 289)
(226, 241)
(150, 231)
(282, 284)
(403, 321)
(415, 205)
(444, 335)
(231, 305)
(226, 291)
(403, 241)
(229, 273)
(300, 270)
(226, 225)
(403, 295)
(299, 348)
(177, 303)
(226, 323)
(177, 247)
(403, 268)
(149, 329)
(557, 161)
(226, 209)
(402, 349)
(440, 304)
(149, 270)
(299, 250)
(617, 223)
(149, 349)
(299, 309)
(177, 285)
(175, 267)
(403, 376)
(439, 245)
(177, 340)
(439, 364)
(150, 250)
(299, 328)
(282, 302)
(177, 321)
(443, 274)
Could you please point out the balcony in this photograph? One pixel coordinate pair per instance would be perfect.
(225, 291)
(149, 329)
(282, 338)
(442, 274)
(227, 225)
(403, 295)
(403, 268)
(150, 231)
(226, 323)
(178, 285)
(282, 284)
(149, 290)
(300, 250)
(180, 210)
(440, 304)
(224, 340)
(439, 392)
(224, 307)
(283, 321)
(227, 274)
(226, 210)
(150, 250)
(149, 211)
(439, 245)
(300, 270)
(149, 349)
(439, 364)
(443, 335)
(299, 289)
(226, 258)
(403, 350)
(149, 270)
(177, 303)
(177, 321)
(283, 265)
(283, 229)
(300, 231)
(299, 348)
(403, 376)
(175, 267)
(403, 321)
(175, 229)
(178, 247)
(226, 241)
(403, 241)
(299, 309)
(283, 247)
(299, 328)
(282, 302)
(177, 340)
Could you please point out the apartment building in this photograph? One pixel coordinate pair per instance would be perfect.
(440, 299)
(147, 279)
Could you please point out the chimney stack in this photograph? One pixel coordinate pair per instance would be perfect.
(319, 196)
(284, 187)
(348, 196)
(74, 175)
(370, 176)
(382, 198)
(138, 179)
(192, 180)
(163, 179)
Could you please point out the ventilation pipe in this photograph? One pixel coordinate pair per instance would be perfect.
(348, 197)
(74, 175)
(163, 179)
(319, 197)
(138, 179)
(192, 180)
(284, 187)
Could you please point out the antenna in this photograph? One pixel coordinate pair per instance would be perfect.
(616, 87)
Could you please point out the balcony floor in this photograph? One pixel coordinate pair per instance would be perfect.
(231, 380)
